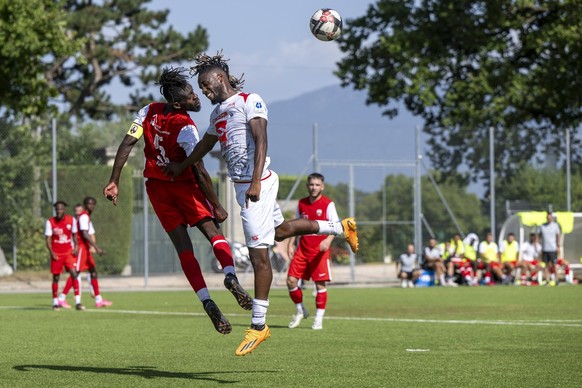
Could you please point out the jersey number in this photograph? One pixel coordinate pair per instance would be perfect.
(162, 159)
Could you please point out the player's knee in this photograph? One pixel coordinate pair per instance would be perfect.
(291, 283)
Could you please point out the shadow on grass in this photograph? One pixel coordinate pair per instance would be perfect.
(147, 372)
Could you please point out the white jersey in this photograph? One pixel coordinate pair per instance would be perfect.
(229, 122)
(531, 252)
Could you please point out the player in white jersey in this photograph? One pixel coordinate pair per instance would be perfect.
(239, 123)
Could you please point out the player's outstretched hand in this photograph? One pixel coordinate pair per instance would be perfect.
(173, 169)
(110, 192)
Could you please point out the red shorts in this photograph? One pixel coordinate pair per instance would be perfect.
(512, 263)
(65, 260)
(177, 203)
(85, 259)
(316, 268)
(533, 263)
(494, 265)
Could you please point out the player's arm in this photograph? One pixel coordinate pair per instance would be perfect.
(48, 241)
(204, 146)
(112, 190)
(205, 184)
(91, 242)
(259, 133)
(48, 232)
(75, 244)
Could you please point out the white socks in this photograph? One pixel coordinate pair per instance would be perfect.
(259, 312)
(330, 228)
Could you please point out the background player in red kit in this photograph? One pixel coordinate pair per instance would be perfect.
(186, 200)
(311, 260)
(61, 241)
(85, 260)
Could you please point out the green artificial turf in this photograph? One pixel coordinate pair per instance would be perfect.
(372, 337)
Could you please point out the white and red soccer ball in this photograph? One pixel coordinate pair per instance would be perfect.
(326, 24)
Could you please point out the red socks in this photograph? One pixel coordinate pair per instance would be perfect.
(321, 299)
(192, 270)
(68, 286)
(95, 285)
(296, 295)
(222, 251)
(55, 289)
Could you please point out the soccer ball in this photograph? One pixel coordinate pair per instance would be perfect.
(326, 24)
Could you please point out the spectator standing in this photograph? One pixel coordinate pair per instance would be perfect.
(550, 234)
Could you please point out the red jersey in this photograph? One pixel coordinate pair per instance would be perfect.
(169, 137)
(322, 209)
(61, 233)
(83, 223)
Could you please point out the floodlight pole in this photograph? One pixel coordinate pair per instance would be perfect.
(315, 145)
(352, 212)
(492, 181)
(54, 140)
(417, 197)
(568, 174)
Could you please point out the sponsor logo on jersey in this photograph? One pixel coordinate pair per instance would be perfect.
(258, 105)
(133, 129)
(255, 238)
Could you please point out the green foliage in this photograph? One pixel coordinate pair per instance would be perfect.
(124, 41)
(466, 66)
(398, 209)
(112, 224)
(541, 187)
(33, 35)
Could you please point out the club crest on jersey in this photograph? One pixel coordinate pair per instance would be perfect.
(319, 212)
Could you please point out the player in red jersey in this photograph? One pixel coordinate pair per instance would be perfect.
(312, 258)
(85, 260)
(61, 241)
(187, 200)
(239, 123)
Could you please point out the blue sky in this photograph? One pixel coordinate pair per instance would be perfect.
(267, 40)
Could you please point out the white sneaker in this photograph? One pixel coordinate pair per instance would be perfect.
(297, 318)
(451, 283)
(317, 324)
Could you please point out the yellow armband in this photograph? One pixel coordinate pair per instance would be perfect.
(135, 130)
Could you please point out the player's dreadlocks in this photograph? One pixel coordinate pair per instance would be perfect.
(173, 84)
(205, 62)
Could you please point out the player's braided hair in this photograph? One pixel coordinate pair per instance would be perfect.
(173, 84)
(205, 62)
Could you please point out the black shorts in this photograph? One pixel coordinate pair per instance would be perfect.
(550, 257)
(408, 274)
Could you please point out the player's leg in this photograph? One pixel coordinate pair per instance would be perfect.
(320, 305)
(319, 269)
(55, 290)
(297, 270)
(221, 249)
(76, 289)
(99, 300)
(183, 245)
(301, 226)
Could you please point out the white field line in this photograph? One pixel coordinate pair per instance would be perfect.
(544, 322)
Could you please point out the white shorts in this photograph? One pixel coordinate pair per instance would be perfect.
(260, 218)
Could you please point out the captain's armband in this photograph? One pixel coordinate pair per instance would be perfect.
(135, 130)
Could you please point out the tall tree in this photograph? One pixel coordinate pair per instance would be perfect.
(33, 33)
(466, 66)
(124, 41)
